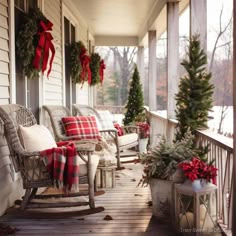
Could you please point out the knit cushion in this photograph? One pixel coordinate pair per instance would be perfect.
(128, 139)
(106, 119)
(83, 127)
(36, 138)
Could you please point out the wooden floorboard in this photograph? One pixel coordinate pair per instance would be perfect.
(126, 204)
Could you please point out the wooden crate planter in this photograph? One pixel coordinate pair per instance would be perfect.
(162, 199)
(105, 177)
(162, 192)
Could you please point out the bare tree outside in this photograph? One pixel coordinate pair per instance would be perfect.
(119, 66)
(220, 64)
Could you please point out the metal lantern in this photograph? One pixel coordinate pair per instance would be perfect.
(195, 208)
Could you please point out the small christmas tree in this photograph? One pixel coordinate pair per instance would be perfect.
(135, 102)
(194, 99)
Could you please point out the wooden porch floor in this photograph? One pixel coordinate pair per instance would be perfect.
(126, 204)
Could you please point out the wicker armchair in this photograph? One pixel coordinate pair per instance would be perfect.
(31, 166)
(56, 113)
(123, 143)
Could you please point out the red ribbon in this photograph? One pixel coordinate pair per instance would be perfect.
(86, 72)
(101, 70)
(44, 46)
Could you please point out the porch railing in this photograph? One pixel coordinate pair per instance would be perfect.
(220, 149)
(160, 126)
(112, 109)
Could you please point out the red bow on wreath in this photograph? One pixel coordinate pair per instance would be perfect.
(84, 59)
(44, 46)
(101, 70)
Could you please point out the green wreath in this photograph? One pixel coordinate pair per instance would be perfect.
(26, 42)
(76, 67)
(94, 67)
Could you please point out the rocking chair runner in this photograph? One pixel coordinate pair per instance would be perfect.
(129, 140)
(31, 166)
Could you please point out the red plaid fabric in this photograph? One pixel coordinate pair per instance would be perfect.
(84, 127)
(63, 164)
(119, 129)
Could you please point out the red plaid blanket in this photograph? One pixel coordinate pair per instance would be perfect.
(63, 165)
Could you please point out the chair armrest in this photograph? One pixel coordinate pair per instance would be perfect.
(20, 151)
(112, 132)
(108, 130)
(130, 129)
(78, 142)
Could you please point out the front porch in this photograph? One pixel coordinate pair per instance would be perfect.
(126, 204)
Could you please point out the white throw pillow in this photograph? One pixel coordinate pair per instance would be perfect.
(37, 138)
(106, 119)
(98, 123)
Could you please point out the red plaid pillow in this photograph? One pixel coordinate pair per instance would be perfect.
(84, 127)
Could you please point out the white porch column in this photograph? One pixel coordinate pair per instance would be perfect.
(172, 56)
(140, 64)
(233, 223)
(198, 20)
(152, 71)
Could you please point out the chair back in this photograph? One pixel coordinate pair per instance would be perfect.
(12, 116)
(56, 113)
(84, 110)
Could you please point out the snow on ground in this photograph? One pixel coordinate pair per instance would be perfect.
(227, 126)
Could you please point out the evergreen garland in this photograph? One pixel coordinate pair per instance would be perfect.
(76, 67)
(194, 99)
(94, 67)
(26, 42)
(162, 160)
(135, 102)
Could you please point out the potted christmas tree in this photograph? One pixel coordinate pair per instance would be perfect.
(194, 100)
(135, 111)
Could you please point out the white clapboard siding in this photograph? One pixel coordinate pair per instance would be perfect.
(4, 3)
(3, 21)
(4, 92)
(57, 59)
(83, 33)
(53, 86)
(50, 96)
(4, 33)
(10, 190)
(3, 11)
(4, 81)
(4, 67)
(82, 94)
(3, 102)
(54, 75)
(4, 43)
(4, 54)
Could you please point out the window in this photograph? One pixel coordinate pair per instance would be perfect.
(27, 91)
(69, 37)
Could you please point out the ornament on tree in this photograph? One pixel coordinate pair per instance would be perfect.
(34, 44)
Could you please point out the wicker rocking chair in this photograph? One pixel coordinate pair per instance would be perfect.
(31, 166)
(123, 143)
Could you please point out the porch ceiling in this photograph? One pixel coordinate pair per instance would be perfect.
(128, 20)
